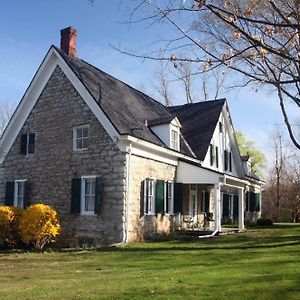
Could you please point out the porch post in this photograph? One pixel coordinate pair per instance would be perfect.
(241, 209)
(217, 206)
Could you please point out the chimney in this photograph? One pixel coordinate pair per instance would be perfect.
(68, 41)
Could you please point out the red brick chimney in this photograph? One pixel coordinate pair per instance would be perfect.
(68, 41)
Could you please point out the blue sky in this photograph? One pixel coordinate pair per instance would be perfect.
(28, 28)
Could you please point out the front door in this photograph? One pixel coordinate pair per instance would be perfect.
(193, 205)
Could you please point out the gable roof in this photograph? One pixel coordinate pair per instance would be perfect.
(128, 109)
(199, 121)
(122, 109)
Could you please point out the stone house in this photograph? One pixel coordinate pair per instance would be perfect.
(117, 165)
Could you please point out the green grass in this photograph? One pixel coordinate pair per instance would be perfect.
(262, 263)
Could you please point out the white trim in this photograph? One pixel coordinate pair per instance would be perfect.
(150, 150)
(192, 193)
(39, 81)
(82, 196)
(16, 192)
(75, 137)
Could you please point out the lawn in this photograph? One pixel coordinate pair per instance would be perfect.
(258, 264)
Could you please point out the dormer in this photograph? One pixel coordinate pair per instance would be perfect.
(168, 130)
(247, 162)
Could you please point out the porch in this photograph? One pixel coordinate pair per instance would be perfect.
(205, 200)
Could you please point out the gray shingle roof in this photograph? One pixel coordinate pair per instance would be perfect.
(199, 121)
(133, 113)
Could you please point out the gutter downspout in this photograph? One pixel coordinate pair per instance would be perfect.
(209, 235)
(126, 221)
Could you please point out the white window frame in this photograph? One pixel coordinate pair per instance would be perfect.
(82, 197)
(174, 143)
(150, 198)
(16, 192)
(169, 200)
(75, 137)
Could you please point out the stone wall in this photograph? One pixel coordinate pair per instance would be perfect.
(144, 226)
(50, 169)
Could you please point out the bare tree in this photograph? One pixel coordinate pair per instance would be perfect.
(282, 187)
(195, 87)
(258, 39)
(6, 111)
(162, 84)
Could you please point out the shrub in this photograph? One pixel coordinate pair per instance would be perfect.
(10, 217)
(264, 222)
(39, 225)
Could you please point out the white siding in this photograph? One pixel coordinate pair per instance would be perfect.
(187, 173)
(163, 132)
(225, 141)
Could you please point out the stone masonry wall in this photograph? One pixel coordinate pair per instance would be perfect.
(141, 227)
(50, 169)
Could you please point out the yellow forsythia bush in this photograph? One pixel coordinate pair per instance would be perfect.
(10, 217)
(39, 225)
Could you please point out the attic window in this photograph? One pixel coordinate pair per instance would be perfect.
(174, 140)
(220, 127)
(27, 143)
(80, 137)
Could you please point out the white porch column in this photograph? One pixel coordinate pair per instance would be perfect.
(217, 206)
(241, 209)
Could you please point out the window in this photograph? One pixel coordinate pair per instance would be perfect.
(150, 196)
(230, 161)
(217, 157)
(205, 202)
(212, 154)
(174, 140)
(15, 193)
(19, 193)
(169, 203)
(220, 127)
(158, 196)
(227, 161)
(88, 194)
(80, 137)
(27, 143)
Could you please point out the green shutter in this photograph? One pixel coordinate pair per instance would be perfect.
(217, 157)
(76, 195)
(225, 160)
(159, 196)
(252, 202)
(178, 197)
(31, 141)
(23, 149)
(9, 193)
(211, 150)
(230, 161)
(257, 201)
(207, 202)
(142, 197)
(235, 206)
(26, 194)
(225, 205)
(98, 193)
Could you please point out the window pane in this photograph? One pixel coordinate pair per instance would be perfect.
(84, 143)
(85, 132)
(78, 144)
